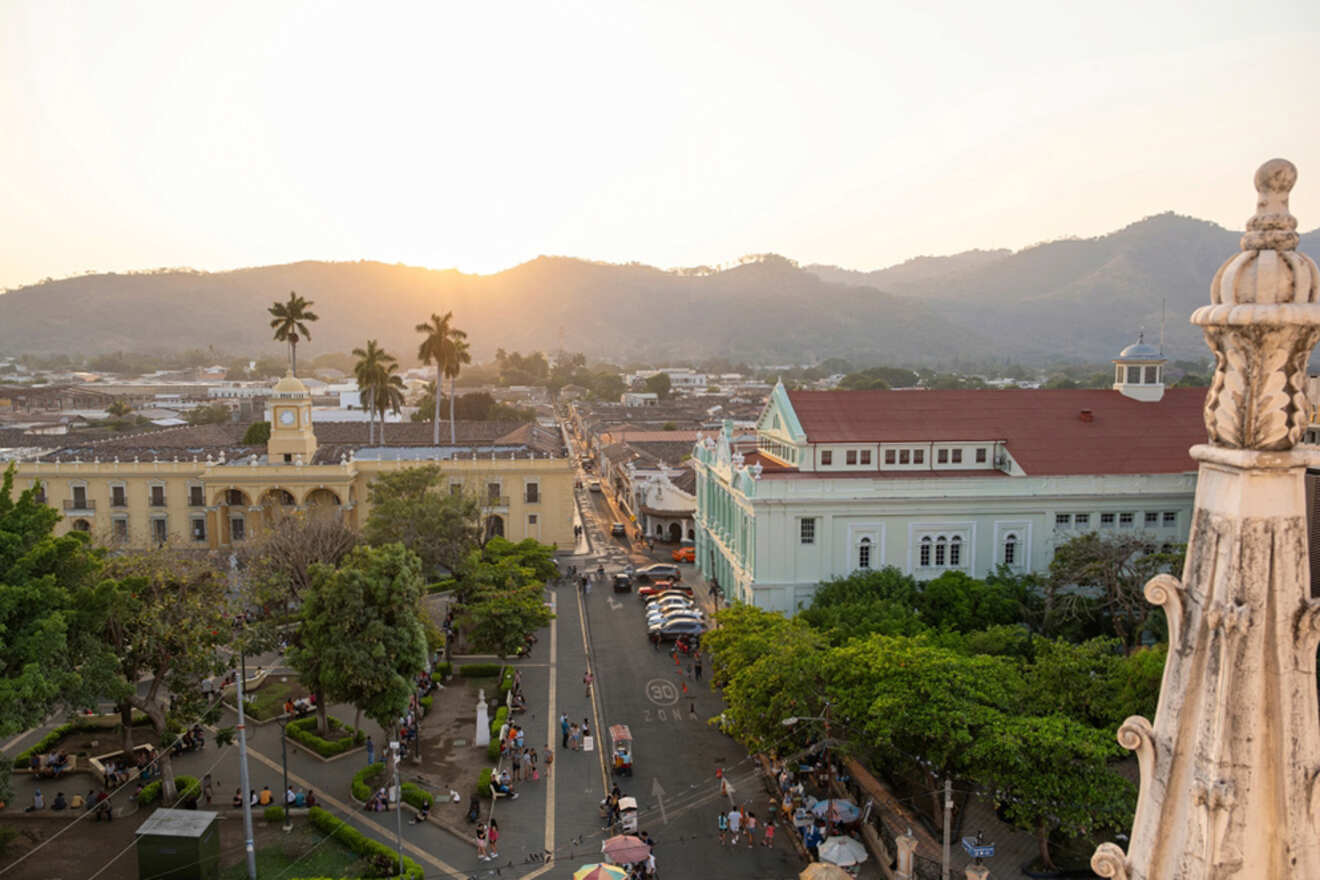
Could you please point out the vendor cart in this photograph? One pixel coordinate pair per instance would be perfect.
(621, 742)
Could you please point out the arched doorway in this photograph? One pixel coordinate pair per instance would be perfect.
(81, 525)
(322, 503)
(494, 527)
(675, 533)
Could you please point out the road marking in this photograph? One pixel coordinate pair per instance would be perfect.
(550, 720)
(661, 692)
(659, 794)
(595, 715)
(351, 815)
(615, 605)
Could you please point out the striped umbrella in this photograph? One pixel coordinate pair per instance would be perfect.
(600, 872)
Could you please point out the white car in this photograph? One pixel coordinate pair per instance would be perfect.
(670, 602)
(654, 617)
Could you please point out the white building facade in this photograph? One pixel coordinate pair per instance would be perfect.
(933, 481)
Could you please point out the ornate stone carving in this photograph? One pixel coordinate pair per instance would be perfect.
(1230, 766)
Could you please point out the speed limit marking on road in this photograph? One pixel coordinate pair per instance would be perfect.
(661, 692)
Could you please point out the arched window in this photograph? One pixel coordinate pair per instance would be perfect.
(864, 553)
(82, 525)
(925, 552)
(955, 551)
(940, 545)
(1010, 549)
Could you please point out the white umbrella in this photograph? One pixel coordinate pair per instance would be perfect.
(842, 851)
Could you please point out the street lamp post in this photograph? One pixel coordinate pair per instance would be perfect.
(398, 802)
(284, 759)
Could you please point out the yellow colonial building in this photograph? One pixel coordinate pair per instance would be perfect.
(202, 486)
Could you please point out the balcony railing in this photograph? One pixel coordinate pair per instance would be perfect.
(157, 502)
(497, 501)
(75, 504)
(119, 501)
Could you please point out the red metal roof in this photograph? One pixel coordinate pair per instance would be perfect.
(1042, 429)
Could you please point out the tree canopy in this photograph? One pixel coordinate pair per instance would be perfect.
(409, 507)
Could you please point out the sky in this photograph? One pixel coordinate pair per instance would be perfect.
(478, 135)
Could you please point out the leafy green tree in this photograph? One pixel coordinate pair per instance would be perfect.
(212, 414)
(362, 635)
(605, 385)
(50, 653)
(166, 619)
(477, 406)
(257, 434)
(290, 319)
(500, 593)
(958, 601)
(409, 507)
(119, 408)
(1051, 774)
(880, 601)
(659, 385)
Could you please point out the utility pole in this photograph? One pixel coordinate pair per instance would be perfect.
(398, 803)
(243, 772)
(948, 826)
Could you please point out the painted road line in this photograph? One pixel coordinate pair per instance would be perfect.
(595, 691)
(551, 720)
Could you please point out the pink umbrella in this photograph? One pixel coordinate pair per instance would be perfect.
(624, 849)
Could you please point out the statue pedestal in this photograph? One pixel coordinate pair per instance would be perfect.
(482, 737)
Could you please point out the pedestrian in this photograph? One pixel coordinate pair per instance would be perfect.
(563, 726)
(696, 670)
(654, 636)
(481, 842)
(515, 758)
(723, 824)
(549, 760)
(531, 759)
(206, 788)
(749, 825)
(735, 825)
(587, 679)
(371, 752)
(586, 730)
(769, 840)
(493, 839)
(574, 732)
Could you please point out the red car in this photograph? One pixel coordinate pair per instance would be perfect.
(685, 554)
(658, 587)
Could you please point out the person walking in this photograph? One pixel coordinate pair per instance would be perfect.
(574, 737)
(206, 789)
(586, 730)
(515, 758)
(769, 839)
(549, 760)
(696, 669)
(735, 825)
(587, 679)
(749, 825)
(493, 839)
(371, 752)
(531, 760)
(723, 824)
(564, 726)
(481, 842)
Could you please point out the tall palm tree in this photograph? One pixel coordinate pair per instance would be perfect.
(371, 363)
(455, 355)
(387, 391)
(290, 319)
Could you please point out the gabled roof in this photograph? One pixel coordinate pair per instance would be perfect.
(1042, 429)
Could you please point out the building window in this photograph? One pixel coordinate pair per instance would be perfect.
(850, 457)
(941, 545)
(531, 519)
(1134, 375)
(904, 456)
(80, 497)
(866, 456)
(532, 493)
(924, 554)
(1170, 517)
(1106, 519)
(159, 529)
(918, 456)
(1082, 519)
(493, 493)
(1063, 520)
(941, 456)
(39, 493)
(119, 528)
(157, 496)
(195, 497)
(237, 528)
(118, 497)
(1152, 518)
(864, 553)
(81, 525)
(890, 456)
(233, 497)
(1010, 548)
(455, 488)
(1152, 375)
(1125, 519)
(955, 551)
(956, 455)
(807, 530)
(980, 455)
(826, 457)
(199, 528)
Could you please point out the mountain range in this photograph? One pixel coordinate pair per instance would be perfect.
(1074, 299)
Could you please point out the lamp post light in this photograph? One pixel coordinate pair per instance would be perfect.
(284, 760)
(398, 801)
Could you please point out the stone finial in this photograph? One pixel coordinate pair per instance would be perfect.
(1262, 323)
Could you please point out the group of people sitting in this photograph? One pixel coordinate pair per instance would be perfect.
(379, 801)
(266, 797)
(98, 802)
(300, 707)
(50, 765)
(503, 784)
(193, 740)
(125, 767)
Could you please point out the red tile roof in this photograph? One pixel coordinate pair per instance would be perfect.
(1042, 429)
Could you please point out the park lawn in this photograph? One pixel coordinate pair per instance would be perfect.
(268, 702)
(302, 853)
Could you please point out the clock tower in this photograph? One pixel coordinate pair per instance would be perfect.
(290, 422)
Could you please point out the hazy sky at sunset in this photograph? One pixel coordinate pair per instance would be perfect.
(478, 135)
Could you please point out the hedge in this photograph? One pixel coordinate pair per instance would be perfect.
(300, 732)
(415, 796)
(506, 683)
(184, 785)
(274, 813)
(361, 790)
(52, 739)
(479, 670)
(496, 723)
(442, 670)
(425, 703)
(362, 845)
(443, 585)
(483, 781)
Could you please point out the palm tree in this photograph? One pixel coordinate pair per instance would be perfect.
(365, 370)
(387, 392)
(445, 347)
(290, 319)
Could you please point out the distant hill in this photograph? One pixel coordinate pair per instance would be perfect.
(1074, 299)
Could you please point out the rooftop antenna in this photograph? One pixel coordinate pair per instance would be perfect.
(1163, 302)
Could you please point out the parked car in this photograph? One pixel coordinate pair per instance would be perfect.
(659, 571)
(687, 554)
(622, 583)
(673, 608)
(618, 531)
(593, 485)
(664, 606)
(651, 591)
(680, 626)
(658, 619)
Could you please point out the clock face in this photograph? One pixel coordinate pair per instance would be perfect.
(286, 417)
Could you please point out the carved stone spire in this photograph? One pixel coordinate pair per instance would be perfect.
(1230, 770)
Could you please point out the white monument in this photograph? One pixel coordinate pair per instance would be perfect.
(1230, 770)
(483, 721)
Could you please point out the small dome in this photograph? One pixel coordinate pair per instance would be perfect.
(1140, 351)
(290, 385)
